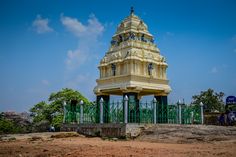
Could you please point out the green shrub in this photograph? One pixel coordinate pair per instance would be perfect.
(8, 126)
(57, 121)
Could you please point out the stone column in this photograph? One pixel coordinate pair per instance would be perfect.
(192, 118)
(202, 115)
(134, 113)
(81, 111)
(106, 99)
(154, 110)
(180, 116)
(101, 110)
(126, 99)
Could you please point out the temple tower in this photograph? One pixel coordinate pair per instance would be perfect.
(133, 65)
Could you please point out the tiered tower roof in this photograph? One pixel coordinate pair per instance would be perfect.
(133, 61)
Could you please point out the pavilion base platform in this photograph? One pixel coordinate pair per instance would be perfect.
(112, 130)
(69, 127)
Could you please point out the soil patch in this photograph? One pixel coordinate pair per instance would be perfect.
(154, 142)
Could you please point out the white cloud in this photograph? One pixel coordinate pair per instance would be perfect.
(87, 35)
(214, 70)
(81, 61)
(75, 58)
(41, 25)
(92, 30)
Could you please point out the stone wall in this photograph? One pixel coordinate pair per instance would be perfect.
(108, 130)
(112, 130)
(69, 127)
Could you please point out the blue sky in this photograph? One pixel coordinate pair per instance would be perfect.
(49, 45)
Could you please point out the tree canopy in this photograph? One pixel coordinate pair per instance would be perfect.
(53, 110)
(212, 100)
(42, 111)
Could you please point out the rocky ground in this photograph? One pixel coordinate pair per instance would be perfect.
(188, 133)
(160, 140)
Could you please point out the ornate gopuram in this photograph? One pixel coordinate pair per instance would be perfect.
(133, 65)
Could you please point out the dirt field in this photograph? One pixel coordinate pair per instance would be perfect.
(43, 145)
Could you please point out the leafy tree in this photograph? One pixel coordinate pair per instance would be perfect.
(53, 112)
(66, 95)
(212, 100)
(57, 121)
(41, 111)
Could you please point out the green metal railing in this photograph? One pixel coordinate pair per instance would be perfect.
(89, 113)
(138, 112)
(172, 114)
(162, 113)
(191, 114)
(72, 113)
(146, 112)
(116, 112)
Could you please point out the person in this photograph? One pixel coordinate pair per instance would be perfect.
(231, 117)
(52, 129)
(222, 119)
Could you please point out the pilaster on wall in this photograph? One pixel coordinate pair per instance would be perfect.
(164, 72)
(161, 72)
(158, 72)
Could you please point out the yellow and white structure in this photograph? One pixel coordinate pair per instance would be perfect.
(133, 64)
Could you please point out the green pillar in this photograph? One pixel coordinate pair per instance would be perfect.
(73, 111)
(162, 103)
